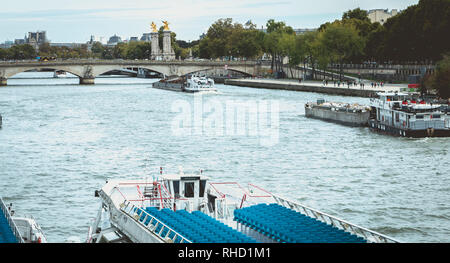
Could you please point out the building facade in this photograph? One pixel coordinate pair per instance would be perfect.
(381, 15)
(114, 40)
(35, 39)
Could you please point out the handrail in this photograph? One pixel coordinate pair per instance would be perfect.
(131, 210)
(367, 234)
(11, 222)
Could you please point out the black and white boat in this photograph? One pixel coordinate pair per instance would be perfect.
(406, 115)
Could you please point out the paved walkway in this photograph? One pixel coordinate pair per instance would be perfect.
(318, 84)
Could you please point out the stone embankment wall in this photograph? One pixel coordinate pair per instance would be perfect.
(302, 87)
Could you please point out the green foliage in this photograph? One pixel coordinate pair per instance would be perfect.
(441, 79)
(418, 33)
(340, 41)
(356, 14)
(18, 52)
(225, 38)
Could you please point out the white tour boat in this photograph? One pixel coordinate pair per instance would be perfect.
(18, 229)
(59, 74)
(188, 208)
(199, 84)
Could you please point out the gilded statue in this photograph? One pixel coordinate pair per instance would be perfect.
(154, 27)
(166, 25)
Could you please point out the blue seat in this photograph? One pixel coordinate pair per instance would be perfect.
(286, 225)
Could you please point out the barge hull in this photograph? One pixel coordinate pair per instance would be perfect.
(353, 119)
(168, 86)
(389, 130)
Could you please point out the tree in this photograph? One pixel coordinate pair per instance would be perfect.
(276, 31)
(415, 35)
(441, 79)
(356, 14)
(24, 51)
(227, 39)
(97, 49)
(340, 42)
(308, 48)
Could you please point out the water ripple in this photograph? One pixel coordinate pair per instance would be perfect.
(61, 141)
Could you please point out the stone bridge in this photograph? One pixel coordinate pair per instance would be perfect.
(88, 70)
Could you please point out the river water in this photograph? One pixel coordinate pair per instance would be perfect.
(61, 141)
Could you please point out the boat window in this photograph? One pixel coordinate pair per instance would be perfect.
(176, 188)
(188, 189)
(419, 116)
(202, 187)
(436, 116)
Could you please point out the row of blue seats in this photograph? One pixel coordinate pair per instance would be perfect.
(286, 225)
(6, 235)
(196, 227)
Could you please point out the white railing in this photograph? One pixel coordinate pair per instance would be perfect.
(153, 223)
(11, 223)
(367, 234)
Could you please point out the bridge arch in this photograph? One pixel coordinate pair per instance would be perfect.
(99, 70)
(214, 68)
(14, 71)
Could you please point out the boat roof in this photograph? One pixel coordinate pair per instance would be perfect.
(386, 94)
(182, 176)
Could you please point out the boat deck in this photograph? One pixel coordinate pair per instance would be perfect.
(6, 234)
(275, 222)
(197, 227)
(285, 225)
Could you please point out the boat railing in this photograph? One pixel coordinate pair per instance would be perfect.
(11, 223)
(369, 235)
(153, 223)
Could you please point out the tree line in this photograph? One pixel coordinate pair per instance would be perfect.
(415, 35)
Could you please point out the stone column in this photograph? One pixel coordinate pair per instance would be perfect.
(87, 81)
(155, 46)
(3, 82)
(168, 53)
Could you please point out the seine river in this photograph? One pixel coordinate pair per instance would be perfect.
(61, 141)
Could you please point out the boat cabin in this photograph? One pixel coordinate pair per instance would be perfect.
(178, 191)
(407, 112)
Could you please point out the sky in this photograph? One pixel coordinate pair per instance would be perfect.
(75, 21)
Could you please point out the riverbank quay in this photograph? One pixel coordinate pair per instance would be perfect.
(314, 86)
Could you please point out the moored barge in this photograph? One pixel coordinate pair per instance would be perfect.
(406, 115)
(354, 115)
